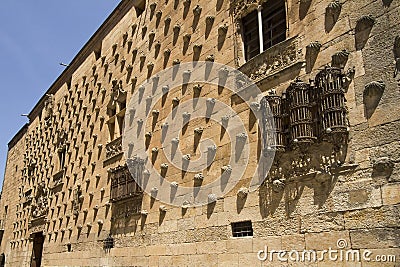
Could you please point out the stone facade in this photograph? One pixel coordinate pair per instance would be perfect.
(66, 179)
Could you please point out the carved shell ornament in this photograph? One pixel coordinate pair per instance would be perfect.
(374, 88)
(314, 47)
(334, 7)
(339, 59)
(210, 20)
(372, 94)
(365, 22)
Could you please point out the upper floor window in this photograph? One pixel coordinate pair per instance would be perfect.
(264, 27)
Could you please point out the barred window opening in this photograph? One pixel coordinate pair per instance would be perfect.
(242, 229)
(270, 20)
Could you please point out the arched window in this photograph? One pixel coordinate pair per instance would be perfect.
(264, 27)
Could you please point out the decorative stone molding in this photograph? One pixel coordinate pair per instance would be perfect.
(212, 198)
(210, 58)
(242, 7)
(164, 166)
(242, 137)
(39, 205)
(186, 38)
(210, 20)
(243, 192)
(227, 169)
(114, 148)
(197, 10)
(283, 55)
(198, 130)
(199, 177)
(314, 47)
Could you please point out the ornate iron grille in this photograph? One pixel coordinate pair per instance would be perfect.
(279, 115)
(331, 101)
(123, 184)
(301, 112)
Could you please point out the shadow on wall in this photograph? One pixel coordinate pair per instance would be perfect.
(303, 8)
(270, 199)
(316, 168)
(387, 3)
(363, 30)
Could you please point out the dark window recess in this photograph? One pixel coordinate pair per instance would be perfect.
(250, 35)
(108, 243)
(274, 23)
(69, 247)
(242, 229)
(273, 15)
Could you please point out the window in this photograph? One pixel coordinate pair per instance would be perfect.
(267, 23)
(242, 229)
(123, 184)
(251, 36)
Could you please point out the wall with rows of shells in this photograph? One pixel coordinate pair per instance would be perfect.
(357, 202)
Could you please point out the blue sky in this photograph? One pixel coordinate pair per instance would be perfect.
(34, 37)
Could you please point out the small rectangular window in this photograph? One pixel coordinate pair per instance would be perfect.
(242, 229)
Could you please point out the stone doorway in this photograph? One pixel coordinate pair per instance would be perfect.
(38, 240)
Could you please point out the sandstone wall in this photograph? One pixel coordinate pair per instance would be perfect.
(360, 203)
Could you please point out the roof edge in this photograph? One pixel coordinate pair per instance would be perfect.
(18, 136)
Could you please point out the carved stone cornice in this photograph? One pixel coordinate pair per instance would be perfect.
(241, 8)
(273, 60)
(114, 149)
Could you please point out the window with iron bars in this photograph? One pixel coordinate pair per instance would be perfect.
(242, 229)
(123, 184)
(264, 27)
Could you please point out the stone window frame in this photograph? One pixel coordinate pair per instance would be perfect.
(242, 8)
